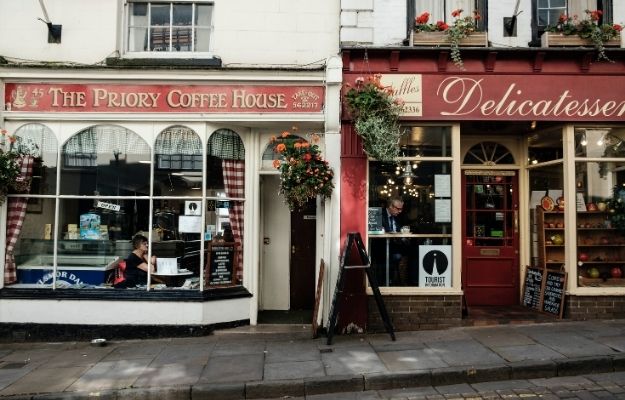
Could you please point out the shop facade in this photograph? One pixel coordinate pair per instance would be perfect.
(513, 162)
(185, 160)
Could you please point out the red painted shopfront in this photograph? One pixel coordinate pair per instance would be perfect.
(507, 99)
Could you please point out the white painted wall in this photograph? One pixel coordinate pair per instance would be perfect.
(246, 32)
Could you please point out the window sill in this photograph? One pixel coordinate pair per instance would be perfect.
(125, 294)
(213, 62)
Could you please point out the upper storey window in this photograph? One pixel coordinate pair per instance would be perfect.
(550, 10)
(170, 27)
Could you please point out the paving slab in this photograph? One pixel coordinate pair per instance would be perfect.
(159, 375)
(464, 352)
(571, 344)
(501, 337)
(233, 368)
(45, 380)
(352, 360)
(190, 353)
(233, 348)
(294, 370)
(292, 351)
(527, 352)
(412, 360)
(110, 375)
(135, 350)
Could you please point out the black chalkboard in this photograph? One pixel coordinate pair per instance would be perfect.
(374, 221)
(553, 292)
(221, 260)
(532, 288)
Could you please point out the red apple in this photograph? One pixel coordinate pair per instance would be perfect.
(616, 272)
(583, 257)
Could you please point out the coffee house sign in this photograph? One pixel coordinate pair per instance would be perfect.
(41, 97)
(510, 97)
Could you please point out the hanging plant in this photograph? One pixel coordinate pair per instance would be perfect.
(12, 153)
(376, 115)
(304, 174)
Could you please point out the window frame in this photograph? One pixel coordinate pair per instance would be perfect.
(169, 53)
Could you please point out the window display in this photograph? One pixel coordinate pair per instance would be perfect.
(106, 200)
(410, 211)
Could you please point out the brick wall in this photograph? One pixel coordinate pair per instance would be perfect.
(412, 312)
(579, 308)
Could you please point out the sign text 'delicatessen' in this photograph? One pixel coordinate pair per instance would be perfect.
(42, 97)
(509, 97)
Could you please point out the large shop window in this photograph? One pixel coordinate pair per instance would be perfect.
(169, 27)
(85, 234)
(409, 217)
(546, 206)
(600, 205)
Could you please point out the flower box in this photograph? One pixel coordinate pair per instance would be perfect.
(439, 38)
(555, 39)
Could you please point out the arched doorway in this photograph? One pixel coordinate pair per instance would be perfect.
(490, 227)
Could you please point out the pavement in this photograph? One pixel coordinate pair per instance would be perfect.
(272, 361)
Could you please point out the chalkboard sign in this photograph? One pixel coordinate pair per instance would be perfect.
(375, 219)
(221, 260)
(532, 288)
(553, 292)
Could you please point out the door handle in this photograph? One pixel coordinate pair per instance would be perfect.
(516, 221)
(292, 249)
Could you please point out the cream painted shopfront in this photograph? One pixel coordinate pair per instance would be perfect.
(183, 160)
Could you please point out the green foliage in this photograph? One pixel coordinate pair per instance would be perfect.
(616, 206)
(304, 174)
(588, 28)
(9, 166)
(376, 115)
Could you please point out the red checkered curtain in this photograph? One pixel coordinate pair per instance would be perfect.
(234, 180)
(15, 219)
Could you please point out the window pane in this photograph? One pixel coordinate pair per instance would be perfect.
(138, 39)
(178, 169)
(545, 146)
(224, 243)
(159, 14)
(159, 39)
(225, 163)
(39, 141)
(599, 142)
(105, 160)
(182, 14)
(600, 221)
(426, 141)
(203, 15)
(176, 234)
(202, 39)
(411, 185)
(33, 252)
(181, 39)
(547, 249)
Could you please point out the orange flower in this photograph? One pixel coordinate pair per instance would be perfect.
(280, 147)
(273, 138)
(276, 164)
(307, 157)
(3, 131)
(297, 145)
(305, 145)
(285, 134)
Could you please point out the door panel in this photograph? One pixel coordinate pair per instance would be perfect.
(303, 224)
(490, 267)
(274, 273)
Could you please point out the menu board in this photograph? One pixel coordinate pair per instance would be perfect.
(553, 292)
(544, 290)
(374, 221)
(532, 288)
(221, 262)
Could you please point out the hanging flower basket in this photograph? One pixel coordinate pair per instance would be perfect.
(304, 174)
(376, 117)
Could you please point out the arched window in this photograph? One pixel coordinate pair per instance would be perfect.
(488, 154)
(39, 141)
(178, 162)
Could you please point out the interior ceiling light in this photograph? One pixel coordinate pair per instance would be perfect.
(407, 176)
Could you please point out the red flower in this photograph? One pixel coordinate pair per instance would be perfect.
(307, 157)
(423, 18)
(617, 27)
(441, 26)
(456, 13)
(276, 164)
(476, 15)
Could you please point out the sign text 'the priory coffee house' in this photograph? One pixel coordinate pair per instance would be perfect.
(38, 97)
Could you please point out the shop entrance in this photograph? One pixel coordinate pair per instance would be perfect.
(490, 267)
(287, 273)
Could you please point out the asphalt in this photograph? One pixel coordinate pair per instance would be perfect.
(271, 361)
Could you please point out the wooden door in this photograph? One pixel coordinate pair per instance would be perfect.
(490, 264)
(302, 266)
